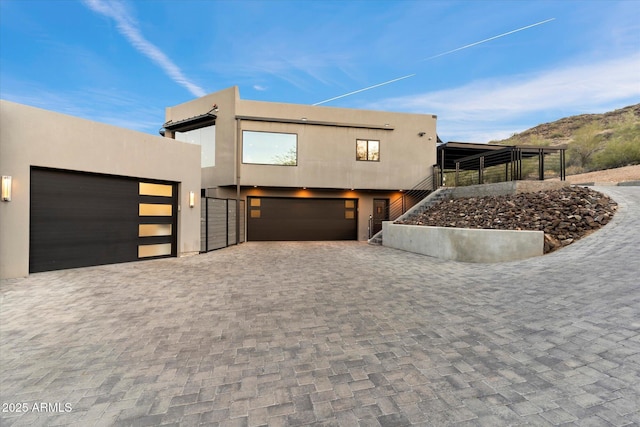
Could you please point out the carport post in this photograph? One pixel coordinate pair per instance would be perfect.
(442, 167)
(541, 164)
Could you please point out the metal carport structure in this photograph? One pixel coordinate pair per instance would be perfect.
(465, 156)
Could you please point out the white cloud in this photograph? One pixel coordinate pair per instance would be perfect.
(128, 27)
(508, 102)
(260, 88)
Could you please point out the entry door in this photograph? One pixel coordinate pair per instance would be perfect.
(380, 213)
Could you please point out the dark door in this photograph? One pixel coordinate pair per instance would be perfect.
(80, 219)
(380, 213)
(277, 218)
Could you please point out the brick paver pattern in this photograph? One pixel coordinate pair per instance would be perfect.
(331, 334)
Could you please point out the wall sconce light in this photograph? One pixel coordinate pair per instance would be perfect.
(421, 134)
(6, 188)
(192, 199)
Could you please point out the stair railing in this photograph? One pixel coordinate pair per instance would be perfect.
(411, 197)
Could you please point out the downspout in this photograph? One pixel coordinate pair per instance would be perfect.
(238, 164)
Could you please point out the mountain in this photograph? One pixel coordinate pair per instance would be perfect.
(563, 131)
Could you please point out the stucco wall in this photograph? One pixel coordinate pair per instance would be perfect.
(326, 154)
(224, 172)
(35, 137)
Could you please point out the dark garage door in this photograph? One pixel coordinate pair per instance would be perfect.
(276, 218)
(79, 219)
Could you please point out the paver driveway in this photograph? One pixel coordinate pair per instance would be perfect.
(331, 334)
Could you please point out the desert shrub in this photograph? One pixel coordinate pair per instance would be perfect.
(586, 142)
(530, 168)
(617, 154)
(622, 148)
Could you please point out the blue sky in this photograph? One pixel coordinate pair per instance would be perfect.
(474, 64)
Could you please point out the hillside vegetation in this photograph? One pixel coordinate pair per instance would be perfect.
(594, 141)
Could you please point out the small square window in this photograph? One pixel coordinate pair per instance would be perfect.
(367, 150)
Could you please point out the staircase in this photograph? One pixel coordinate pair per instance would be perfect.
(433, 198)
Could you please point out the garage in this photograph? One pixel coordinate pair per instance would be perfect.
(82, 219)
(281, 218)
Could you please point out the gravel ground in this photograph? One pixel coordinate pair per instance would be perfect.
(627, 173)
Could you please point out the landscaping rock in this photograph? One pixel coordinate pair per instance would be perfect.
(565, 215)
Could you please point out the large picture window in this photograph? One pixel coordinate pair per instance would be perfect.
(206, 138)
(367, 150)
(269, 148)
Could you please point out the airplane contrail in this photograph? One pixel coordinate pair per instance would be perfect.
(366, 88)
(433, 57)
(489, 39)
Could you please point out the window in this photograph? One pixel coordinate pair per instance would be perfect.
(367, 150)
(204, 137)
(269, 148)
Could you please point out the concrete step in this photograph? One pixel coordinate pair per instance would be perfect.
(376, 240)
(420, 207)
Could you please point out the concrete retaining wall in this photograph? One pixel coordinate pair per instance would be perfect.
(505, 188)
(464, 244)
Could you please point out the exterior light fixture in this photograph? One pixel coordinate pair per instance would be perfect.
(6, 188)
(192, 199)
(421, 134)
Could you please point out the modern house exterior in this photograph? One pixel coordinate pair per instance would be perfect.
(83, 193)
(305, 172)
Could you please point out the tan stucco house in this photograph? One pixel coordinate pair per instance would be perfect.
(305, 172)
(85, 193)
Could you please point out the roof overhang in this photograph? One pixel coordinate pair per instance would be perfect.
(190, 123)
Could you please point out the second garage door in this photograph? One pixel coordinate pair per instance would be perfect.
(279, 218)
